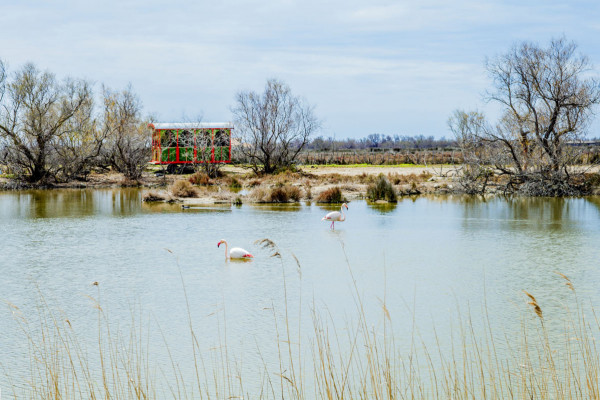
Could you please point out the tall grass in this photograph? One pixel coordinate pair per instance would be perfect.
(183, 188)
(382, 189)
(331, 195)
(359, 360)
(277, 194)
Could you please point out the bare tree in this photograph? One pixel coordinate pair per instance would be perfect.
(273, 126)
(128, 147)
(548, 99)
(79, 146)
(3, 141)
(34, 113)
(205, 142)
(2, 79)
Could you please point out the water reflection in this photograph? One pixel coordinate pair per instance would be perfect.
(543, 214)
(595, 201)
(331, 207)
(293, 207)
(382, 208)
(438, 250)
(73, 203)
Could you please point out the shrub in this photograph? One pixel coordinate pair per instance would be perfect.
(331, 195)
(234, 184)
(127, 182)
(293, 192)
(258, 194)
(592, 179)
(382, 189)
(154, 196)
(200, 178)
(308, 190)
(255, 182)
(182, 188)
(278, 195)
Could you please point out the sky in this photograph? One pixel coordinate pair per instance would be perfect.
(388, 67)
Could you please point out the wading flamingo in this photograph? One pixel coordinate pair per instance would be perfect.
(336, 216)
(236, 252)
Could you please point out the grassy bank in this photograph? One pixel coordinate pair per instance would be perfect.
(237, 186)
(359, 360)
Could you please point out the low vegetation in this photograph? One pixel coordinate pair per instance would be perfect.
(183, 188)
(153, 195)
(277, 194)
(234, 184)
(331, 195)
(200, 178)
(382, 189)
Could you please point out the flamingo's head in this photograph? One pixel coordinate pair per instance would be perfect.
(345, 205)
(221, 242)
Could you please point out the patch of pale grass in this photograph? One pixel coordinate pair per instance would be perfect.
(183, 188)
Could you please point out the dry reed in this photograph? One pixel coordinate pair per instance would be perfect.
(183, 188)
(366, 362)
(331, 195)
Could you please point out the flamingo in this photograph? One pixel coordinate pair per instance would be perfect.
(336, 216)
(236, 252)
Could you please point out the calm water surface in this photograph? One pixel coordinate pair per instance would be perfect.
(427, 257)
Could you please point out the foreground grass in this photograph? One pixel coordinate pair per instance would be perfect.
(357, 361)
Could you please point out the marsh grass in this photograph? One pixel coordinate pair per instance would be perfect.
(183, 188)
(152, 196)
(382, 189)
(200, 178)
(331, 195)
(278, 194)
(234, 183)
(398, 179)
(363, 359)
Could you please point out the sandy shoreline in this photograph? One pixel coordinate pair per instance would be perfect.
(308, 182)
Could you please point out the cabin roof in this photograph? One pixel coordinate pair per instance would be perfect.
(191, 125)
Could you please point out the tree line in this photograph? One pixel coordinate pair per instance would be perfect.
(55, 130)
(380, 141)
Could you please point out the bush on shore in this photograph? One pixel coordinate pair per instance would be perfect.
(331, 195)
(279, 194)
(152, 195)
(382, 189)
(182, 188)
(200, 178)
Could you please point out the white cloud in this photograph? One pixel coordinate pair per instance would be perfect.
(358, 61)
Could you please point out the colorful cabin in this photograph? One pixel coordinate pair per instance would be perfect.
(191, 143)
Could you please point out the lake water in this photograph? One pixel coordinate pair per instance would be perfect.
(427, 258)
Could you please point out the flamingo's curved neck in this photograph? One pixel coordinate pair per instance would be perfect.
(226, 251)
(343, 215)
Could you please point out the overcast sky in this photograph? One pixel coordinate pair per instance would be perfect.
(391, 67)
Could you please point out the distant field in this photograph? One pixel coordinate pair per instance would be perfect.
(413, 157)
